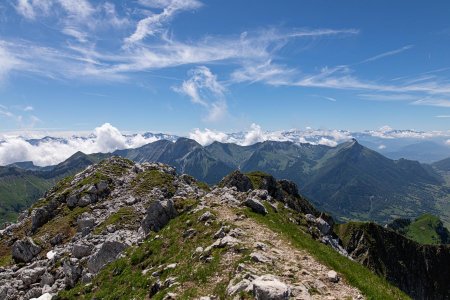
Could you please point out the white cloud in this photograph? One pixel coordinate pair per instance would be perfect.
(151, 24)
(28, 108)
(432, 102)
(443, 116)
(388, 53)
(105, 138)
(447, 142)
(203, 88)
(207, 136)
(382, 147)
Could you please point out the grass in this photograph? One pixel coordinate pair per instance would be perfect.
(123, 279)
(424, 230)
(257, 178)
(64, 223)
(371, 285)
(146, 181)
(123, 217)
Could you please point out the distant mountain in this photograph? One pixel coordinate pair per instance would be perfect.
(349, 181)
(424, 152)
(443, 165)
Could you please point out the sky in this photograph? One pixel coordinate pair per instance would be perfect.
(177, 66)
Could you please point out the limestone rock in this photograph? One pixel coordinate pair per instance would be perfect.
(107, 253)
(158, 215)
(25, 250)
(256, 206)
(268, 287)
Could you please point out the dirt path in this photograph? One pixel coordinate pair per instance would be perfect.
(272, 254)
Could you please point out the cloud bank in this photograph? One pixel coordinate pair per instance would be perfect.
(50, 151)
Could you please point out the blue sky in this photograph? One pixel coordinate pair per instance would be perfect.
(176, 65)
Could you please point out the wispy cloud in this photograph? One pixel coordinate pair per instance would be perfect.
(443, 116)
(388, 53)
(203, 88)
(432, 102)
(152, 24)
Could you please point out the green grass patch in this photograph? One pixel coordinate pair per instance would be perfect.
(123, 279)
(146, 181)
(371, 285)
(123, 217)
(425, 230)
(257, 178)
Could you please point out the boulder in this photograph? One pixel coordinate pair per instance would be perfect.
(238, 180)
(84, 201)
(81, 250)
(102, 187)
(30, 276)
(256, 206)
(158, 215)
(107, 253)
(72, 201)
(323, 226)
(39, 217)
(85, 221)
(47, 279)
(268, 287)
(25, 250)
(333, 276)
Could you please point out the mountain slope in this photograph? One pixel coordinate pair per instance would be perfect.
(123, 230)
(422, 270)
(20, 188)
(349, 181)
(426, 229)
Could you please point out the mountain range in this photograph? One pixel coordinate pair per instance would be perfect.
(349, 181)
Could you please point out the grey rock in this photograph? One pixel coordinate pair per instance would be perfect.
(158, 215)
(81, 250)
(256, 206)
(102, 187)
(39, 217)
(323, 226)
(206, 216)
(47, 279)
(30, 276)
(85, 221)
(72, 201)
(84, 201)
(25, 250)
(333, 276)
(107, 253)
(268, 287)
(57, 239)
(33, 293)
(72, 272)
(238, 180)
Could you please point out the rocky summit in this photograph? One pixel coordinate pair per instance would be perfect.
(120, 230)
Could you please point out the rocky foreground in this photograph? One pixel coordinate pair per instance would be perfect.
(120, 230)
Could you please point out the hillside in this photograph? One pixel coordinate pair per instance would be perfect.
(426, 229)
(22, 184)
(120, 230)
(422, 270)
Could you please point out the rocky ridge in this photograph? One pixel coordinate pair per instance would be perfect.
(159, 235)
